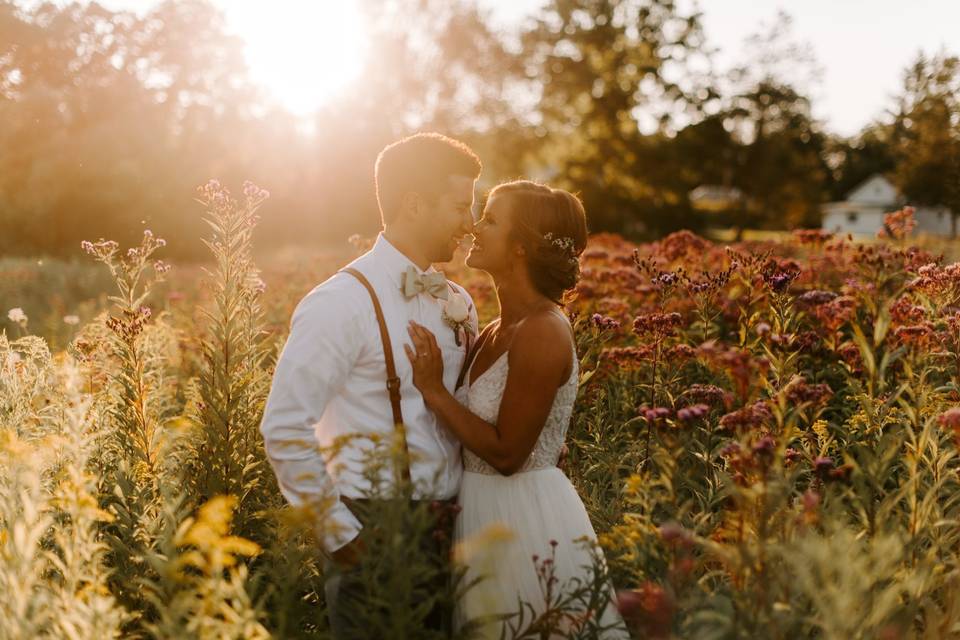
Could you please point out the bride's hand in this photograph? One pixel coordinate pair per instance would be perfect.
(427, 361)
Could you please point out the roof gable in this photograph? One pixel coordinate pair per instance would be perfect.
(877, 190)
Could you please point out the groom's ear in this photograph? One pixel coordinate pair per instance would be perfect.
(410, 205)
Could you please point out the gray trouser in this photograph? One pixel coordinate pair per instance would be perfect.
(343, 625)
(349, 606)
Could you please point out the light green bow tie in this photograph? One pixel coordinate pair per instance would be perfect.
(414, 282)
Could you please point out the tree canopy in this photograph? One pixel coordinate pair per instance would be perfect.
(109, 119)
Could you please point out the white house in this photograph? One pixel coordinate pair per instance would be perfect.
(863, 210)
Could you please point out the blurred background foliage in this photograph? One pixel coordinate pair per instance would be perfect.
(108, 120)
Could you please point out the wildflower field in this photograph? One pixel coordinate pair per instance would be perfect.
(766, 439)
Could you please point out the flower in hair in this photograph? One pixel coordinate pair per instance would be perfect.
(564, 244)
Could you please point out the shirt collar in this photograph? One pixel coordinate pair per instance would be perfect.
(393, 261)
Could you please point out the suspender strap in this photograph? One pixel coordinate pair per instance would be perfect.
(393, 381)
(466, 339)
(470, 357)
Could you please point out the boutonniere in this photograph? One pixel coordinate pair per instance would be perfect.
(456, 314)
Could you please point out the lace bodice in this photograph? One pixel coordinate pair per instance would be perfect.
(483, 399)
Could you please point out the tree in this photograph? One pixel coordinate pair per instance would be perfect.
(111, 119)
(781, 169)
(431, 65)
(782, 172)
(925, 132)
(603, 68)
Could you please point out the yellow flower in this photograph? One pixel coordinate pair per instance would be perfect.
(483, 542)
(634, 484)
(820, 428)
(240, 546)
(208, 533)
(12, 445)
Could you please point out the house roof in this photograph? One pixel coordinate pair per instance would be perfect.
(876, 191)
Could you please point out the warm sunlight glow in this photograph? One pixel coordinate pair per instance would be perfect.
(302, 51)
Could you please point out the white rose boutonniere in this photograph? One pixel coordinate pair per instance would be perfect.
(456, 313)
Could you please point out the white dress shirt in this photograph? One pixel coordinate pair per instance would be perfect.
(330, 381)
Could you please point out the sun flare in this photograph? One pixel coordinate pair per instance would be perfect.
(302, 51)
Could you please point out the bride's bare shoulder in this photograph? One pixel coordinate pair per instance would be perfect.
(544, 335)
(549, 322)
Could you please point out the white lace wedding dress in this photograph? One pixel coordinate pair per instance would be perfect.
(507, 520)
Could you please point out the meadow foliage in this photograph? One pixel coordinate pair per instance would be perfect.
(766, 440)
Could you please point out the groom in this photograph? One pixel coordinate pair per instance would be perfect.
(331, 378)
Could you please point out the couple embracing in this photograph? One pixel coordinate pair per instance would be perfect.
(388, 346)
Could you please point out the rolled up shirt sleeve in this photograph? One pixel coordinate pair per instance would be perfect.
(323, 346)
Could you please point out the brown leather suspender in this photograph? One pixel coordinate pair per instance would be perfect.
(393, 380)
(468, 359)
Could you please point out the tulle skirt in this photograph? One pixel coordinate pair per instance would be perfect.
(515, 532)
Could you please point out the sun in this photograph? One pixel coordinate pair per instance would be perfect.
(302, 51)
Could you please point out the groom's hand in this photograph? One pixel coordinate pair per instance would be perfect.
(350, 554)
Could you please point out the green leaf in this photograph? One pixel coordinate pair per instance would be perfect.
(866, 352)
(881, 325)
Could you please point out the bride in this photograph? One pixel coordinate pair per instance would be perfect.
(512, 411)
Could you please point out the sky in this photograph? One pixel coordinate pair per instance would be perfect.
(862, 46)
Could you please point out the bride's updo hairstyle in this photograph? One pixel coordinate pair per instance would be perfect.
(551, 225)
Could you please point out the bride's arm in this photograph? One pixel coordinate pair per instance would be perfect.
(539, 362)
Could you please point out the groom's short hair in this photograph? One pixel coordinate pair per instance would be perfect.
(420, 163)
